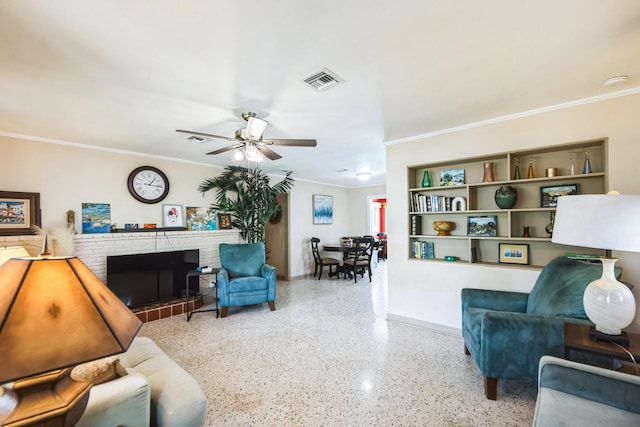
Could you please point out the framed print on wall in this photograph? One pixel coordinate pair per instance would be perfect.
(224, 221)
(322, 209)
(513, 253)
(96, 218)
(201, 218)
(172, 216)
(18, 212)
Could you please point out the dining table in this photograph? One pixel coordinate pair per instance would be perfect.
(338, 247)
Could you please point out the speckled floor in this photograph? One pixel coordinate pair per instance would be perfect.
(328, 357)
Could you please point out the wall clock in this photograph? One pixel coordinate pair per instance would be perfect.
(148, 184)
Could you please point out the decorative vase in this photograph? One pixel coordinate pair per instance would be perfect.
(506, 197)
(587, 162)
(549, 227)
(530, 173)
(525, 232)
(443, 227)
(516, 173)
(426, 179)
(488, 172)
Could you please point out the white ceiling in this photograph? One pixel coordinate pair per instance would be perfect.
(125, 74)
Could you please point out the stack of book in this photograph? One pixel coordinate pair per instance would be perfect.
(422, 250)
(585, 258)
(433, 203)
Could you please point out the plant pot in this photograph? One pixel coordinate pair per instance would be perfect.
(506, 197)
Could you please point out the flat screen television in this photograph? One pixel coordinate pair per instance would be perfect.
(144, 279)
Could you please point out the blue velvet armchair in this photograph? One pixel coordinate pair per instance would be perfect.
(506, 333)
(244, 278)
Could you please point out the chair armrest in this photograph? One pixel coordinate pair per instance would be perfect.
(269, 272)
(494, 300)
(123, 401)
(571, 393)
(222, 281)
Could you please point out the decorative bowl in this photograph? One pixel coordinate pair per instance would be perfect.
(443, 227)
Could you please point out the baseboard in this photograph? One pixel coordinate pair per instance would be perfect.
(448, 330)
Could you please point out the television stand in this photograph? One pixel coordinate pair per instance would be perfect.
(196, 273)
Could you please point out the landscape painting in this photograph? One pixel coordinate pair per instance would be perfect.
(96, 218)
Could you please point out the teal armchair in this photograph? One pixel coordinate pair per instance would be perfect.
(506, 333)
(244, 278)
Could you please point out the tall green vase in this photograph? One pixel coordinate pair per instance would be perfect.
(426, 179)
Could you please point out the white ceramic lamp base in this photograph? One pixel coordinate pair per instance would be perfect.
(609, 303)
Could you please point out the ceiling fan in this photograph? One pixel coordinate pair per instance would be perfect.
(249, 142)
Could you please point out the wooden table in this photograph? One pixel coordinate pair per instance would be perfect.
(336, 247)
(576, 338)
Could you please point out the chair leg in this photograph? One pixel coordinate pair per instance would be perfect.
(320, 275)
(224, 311)
(490, 388)
(272, 305)
(316, 270)
(466, 350)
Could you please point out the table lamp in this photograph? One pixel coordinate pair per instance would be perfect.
(54, 314)
(12, 252)
(607, 222)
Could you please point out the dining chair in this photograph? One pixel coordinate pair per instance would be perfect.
(361, 261)
(322, 261)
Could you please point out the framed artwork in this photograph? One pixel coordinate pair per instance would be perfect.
(96, 218)
(513, 253)
(322, 209)
(549, 195)
(18, 212)
(484, 226)
(224, 221)
(201, 218)
(452, 177)
(172, 216)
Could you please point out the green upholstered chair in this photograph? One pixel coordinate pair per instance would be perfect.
(506, 333)
(244, 278)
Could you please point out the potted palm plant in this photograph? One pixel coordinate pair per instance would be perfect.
(247, 195)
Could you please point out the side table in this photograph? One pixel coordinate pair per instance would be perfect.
(196, 273)
(576, 338)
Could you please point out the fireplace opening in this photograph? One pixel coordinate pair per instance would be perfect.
(142, 279)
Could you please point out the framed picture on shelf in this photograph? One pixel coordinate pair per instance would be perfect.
(549, 195)
(172, 216)
(322, 209)
(482, 226)
(18, 212)
(201, 218)
(452, 177)
(96, 218)
(224, 221)
(510, 253)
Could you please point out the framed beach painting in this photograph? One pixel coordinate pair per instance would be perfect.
(96, 218)
(322, 209)
(201, 219)
(19, 212)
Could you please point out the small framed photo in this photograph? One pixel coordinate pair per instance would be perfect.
(513, 253)
(482, 226)
(322, 209)
(452, 177)
(224, 221)
(19, 212)
(172, 216)
(549, 195)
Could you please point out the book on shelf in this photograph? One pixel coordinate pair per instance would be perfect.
(422, 250)
(585, 258)
(431, 203)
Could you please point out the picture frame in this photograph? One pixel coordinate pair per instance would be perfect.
(451, 177)
(96, 218)
(224, 221)
(19, 212)
(513, 253)
(201, 218)
(482, 226)
(322, 209)
(549, 195)
(172, 216)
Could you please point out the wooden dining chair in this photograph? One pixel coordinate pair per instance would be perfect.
(361, 261)
(322, 261)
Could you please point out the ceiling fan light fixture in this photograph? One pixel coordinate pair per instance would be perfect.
(238, 155)
(255, 128)
(615, 80)
(363, 176)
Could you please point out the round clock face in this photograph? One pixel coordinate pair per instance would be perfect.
(148, 184)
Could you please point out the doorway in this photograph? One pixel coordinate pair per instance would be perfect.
(377, 214)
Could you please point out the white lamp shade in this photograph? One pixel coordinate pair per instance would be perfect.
(255, 128)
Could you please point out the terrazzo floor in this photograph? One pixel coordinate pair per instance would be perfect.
(328, 357)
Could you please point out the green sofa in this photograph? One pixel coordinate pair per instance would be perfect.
(506, 333)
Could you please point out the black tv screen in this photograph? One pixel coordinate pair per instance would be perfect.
(143, 279)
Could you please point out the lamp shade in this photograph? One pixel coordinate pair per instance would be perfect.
(55, 313)
(598, 221)
(255, 128)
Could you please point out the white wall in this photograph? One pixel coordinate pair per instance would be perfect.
(430, 291)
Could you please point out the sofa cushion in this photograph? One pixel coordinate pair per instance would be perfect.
(245, 284)
(99, 371)
(560, 288)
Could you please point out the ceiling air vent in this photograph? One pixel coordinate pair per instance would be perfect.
(323, 80)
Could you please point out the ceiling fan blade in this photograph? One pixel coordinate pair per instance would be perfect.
(268, 152)
(225, 149)
(207, 135)
(291, 142)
